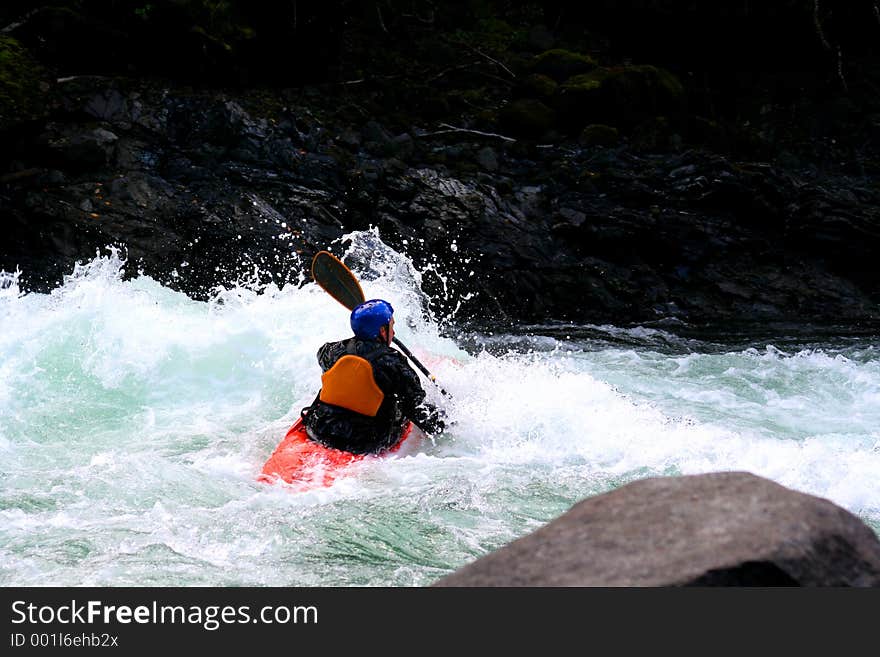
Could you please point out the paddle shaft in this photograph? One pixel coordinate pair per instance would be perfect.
(421, 367)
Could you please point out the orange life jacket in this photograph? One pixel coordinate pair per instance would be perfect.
(350, 384)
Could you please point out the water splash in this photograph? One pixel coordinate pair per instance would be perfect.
(134, 421)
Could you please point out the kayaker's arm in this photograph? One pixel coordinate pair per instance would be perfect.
(429, 418)
(411, 398)
(328, 353)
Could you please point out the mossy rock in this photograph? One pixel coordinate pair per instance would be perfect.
(469, 99)
(22, 88)
(71, 41)
(526, 117)
(623, 96)
(642, 91)
(708, 133)
(487, 119)
(490, 34)
(580, 100)
(419, 100)
(536, 85)
(599, 134)
(585, 87)
(562, 64)
(654, 135)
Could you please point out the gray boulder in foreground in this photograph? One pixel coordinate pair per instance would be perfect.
(719, 529)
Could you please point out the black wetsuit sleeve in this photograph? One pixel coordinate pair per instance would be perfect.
(328, 354)
(403, 382)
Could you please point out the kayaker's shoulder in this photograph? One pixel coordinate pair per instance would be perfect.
(327, 346)
(390, 352)
(374, 351)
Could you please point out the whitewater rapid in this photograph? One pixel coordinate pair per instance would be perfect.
(134, 421)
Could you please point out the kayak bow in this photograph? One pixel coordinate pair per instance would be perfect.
(300, 461)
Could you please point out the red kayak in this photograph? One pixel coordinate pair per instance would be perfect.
(299, 460)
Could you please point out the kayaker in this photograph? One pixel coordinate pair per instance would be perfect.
(368, 390)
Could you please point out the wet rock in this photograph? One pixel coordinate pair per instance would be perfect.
(598, 135)
(350, 138)
(487, 159)
(377, 139)
(108, 105)
(550, 230)
(142, 190)
(401, 146)
(572, 217)
(84, 151)
(720, 529)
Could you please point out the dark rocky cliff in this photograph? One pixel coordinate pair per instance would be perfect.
(613, 163)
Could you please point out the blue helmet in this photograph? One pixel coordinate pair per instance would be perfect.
(369, 317)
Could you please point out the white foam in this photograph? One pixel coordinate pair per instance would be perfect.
(135, 420)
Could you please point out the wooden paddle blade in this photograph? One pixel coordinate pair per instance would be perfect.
(337, 279)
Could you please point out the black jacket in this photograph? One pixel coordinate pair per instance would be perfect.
(404, 399)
